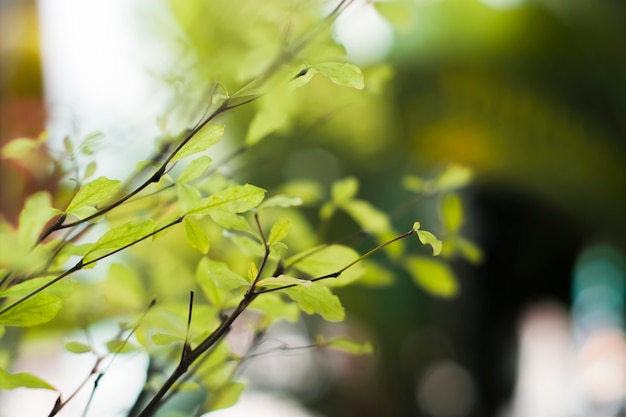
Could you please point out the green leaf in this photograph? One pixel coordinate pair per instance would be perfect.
(207, 137)
(92, 193)
(226, 396)
(77, 347)
(317, 299)
(188, 196)
(428, 238)
(37, 212)
(451, 212)
(164, 339)
(468, 250)
(276, 308)
(235, 199)
(195, 169)
(230, 220)
(264, 123)
(20, 148)
(368, 217)
(118, 238)
(344, 190)
(38, 309)
(121, 346)
(26, 287)
(348, 345)
(281, 201)
(10, 381)
(454, 176)
(279, 231)
(226, 279)
(329, 260)
(432, 275)
(196, 237)
(342, 74)
(282, 281)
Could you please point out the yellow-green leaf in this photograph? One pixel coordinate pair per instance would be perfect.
(196, 237)
(428, 238)
(342, 74)
(282, 281)
(235, 199)
(118, 238)
(264, 123)
(281, 201)
(344, 190)
(188, 196)
(92, 193)
(77, 347)
(348, 345)
(38, 309)
(317, 299)
(279, 231)
(195, 169)
(368, 217)
(208, 136)
(226, 396)
(451, 212)
(10, 381)
(432, 275)
(36, 213)
(230, 220)
(327, 261)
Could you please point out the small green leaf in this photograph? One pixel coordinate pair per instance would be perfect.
(226, 396)
(342, 74)
(207, 137)
(235, 199)
(329, 260)
(230, 220)
(26, 287)
(276, 308)
(38, 309)
(468, 250)
(432, 275)
(344, 190)
(90, 170)
(92, 193)
(118, 238)
(428, 238)
(36, 213)
(196, 237)
(164, 339)
(454, 176)
(451, 212)
(348, 345)
(77, 347)
(10, 381)
(279, 231)
(121, 346)
(188, 196)
(264, 123)
(195, 169)
(208, 283)
(368, 217)
(282, 281)
(317, 299)
(281, 201)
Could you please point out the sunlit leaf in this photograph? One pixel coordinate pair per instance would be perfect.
(227, 395)
(36, 213)
(164, 339)
(188, 196)
(282, 281)
(344, 190)
(342, 73)
(276, 308)
(119, 237)
(37, 309)
(454, 176)
(195, 169)
(329, 260)
(121, 346)
(350, 346)
(196, 237)
(229, 220)
(26, 287)
(281, 201)
(368, 217)
(93, 193)
(235, 199)
(263, 124)
(428, 238)
(317, 299)
(207, 137)
(279, 231)
(432, 275)
(77, 347)
(459, 245)
(451, 212)
(10, 381)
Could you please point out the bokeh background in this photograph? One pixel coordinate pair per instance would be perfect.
(529, 94)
